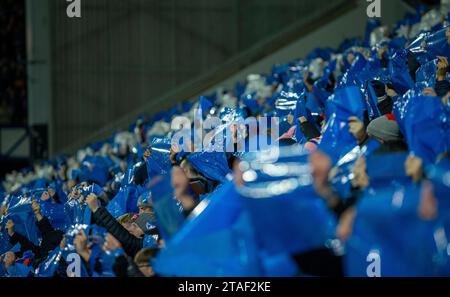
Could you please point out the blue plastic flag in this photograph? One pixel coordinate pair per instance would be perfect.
(167, 211)
(399, 72)
(159, 160)
(205, 104)
(54, 212)
(426, 126)
(95, 170)
(388, 237)
(337, 140)
(279, 192)
(252, 104)
(194, 251)
(373, 100)
(50, 265)
(124, 202)
(341, 181)
(212, 165)
(19, 270)
(439, 174)
(19, 211)
(427, 46)
(426, 75)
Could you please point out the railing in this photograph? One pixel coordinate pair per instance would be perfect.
(218, 74)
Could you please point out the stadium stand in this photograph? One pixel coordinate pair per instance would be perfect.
(321, 167)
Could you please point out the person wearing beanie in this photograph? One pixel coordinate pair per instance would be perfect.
(384, 129)
(145, 224)
(144, 203)
(132, 239)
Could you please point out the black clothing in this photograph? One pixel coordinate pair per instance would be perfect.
(125, 267)
(385, 106)
(130, 243)
(413, 65)
(320, 262)
(309, 130)
(442, 87)
(140, 173)
(51, 238)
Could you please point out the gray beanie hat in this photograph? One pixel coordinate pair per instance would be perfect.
(146, 221)
(384, 129)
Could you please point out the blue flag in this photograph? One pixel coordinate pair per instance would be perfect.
(426, 127)
(124, 202)
(389, 239)
(194, 251)
(337, 140)
(276, 195)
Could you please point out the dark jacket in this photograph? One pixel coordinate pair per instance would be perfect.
(442, 87)
(125, 267)
(309, 130)
(130, 243)
(51, 238)
(385, 106)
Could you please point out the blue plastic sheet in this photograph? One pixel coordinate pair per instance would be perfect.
(337, 140)
(4, 241)
(439, 174)
(385, 169)
(252, 104)
(427, 46)
(75, 212)
(279, 192)
(194, 251)
(373, 100)
(50, 265)
(399, 72)
(427, 127)
(19, 211)
(19, 270)
(388, 226)
(168, 214)
(124, 202)
(341, 181)
(94, 169)
(212, 165)
(55, 213)
(426, 75)
(159, 160)
(351, 76)
(286, 102)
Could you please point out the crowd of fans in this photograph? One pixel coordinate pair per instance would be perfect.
(13, 99)
(362, 174)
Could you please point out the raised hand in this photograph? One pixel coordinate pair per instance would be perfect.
(357, 129)
(10, 227)
(36, 207)
(92, 202)
(80, 242)
(429, 92)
